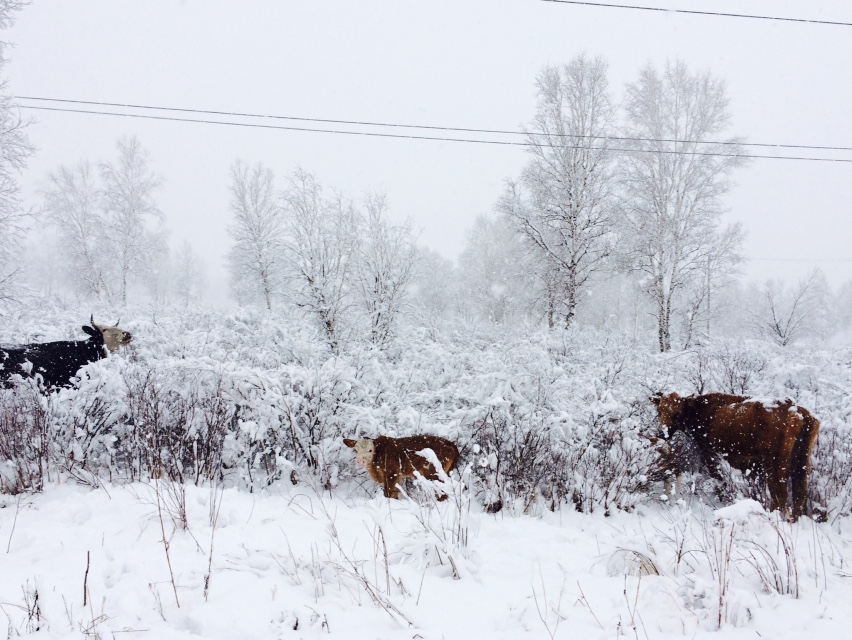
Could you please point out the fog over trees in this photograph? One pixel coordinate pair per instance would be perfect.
(257, 232)
(127, 195)
(105, 226)
(673, 188)
(614, 224)
(15, 148)
(563, 203)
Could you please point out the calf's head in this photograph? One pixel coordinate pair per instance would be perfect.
(364, 449)
(114, 337)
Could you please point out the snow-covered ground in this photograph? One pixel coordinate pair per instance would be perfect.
(232, 406)
(295, 563)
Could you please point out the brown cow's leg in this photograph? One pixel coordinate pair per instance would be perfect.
(800, 494)
(391, 490)
(777, 481)
(801, 461)
(433, 476)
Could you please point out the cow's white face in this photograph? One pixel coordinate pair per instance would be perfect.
(364, 450)
(114, 337)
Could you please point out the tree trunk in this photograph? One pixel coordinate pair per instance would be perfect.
(267, 296)
(664, 326)
(550, 311)
(571, 301)
(124, 270)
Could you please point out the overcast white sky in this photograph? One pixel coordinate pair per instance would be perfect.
(442, 63)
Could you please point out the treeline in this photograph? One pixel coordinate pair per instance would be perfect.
(615, 222)
(342, 262)
(103, 235)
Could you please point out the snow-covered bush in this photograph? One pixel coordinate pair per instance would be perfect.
(25, 439)
(544, 419)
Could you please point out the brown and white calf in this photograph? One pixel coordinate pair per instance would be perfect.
(391, 460)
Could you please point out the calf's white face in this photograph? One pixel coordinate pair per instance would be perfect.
(364, 449)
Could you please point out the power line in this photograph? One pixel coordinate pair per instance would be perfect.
(802, 259)
(420, 137)
(699, 13)
(427, 127)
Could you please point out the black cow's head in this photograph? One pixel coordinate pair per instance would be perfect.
(113, 337)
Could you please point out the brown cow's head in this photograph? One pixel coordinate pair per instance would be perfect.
(114, 337)
(364, 450)
(668, 409)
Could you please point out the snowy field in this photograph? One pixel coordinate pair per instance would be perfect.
(359, 249)
(292, 563)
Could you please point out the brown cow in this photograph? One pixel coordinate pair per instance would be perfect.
(772, 437)
(391, 460)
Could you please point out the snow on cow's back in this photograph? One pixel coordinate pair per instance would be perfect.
(771, 403)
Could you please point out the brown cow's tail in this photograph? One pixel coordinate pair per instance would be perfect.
(801, 460)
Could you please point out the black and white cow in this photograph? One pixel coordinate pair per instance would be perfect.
(56, 363)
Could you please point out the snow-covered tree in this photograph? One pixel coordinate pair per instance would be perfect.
(187, 278)
(704, 296)
(386, 258)
(842, 309)
(128, 187)
(491, 271)
(434, 288)
(562, 202)
(320, 250)
(788, 314)
(15, 148)
(673, 180)
(72, 206)
(255, 260)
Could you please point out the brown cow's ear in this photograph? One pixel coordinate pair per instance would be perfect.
(349, 442)
(656, 398)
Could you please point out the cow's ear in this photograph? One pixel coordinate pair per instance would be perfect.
(656, 398)
(349, 442)
(91, 331)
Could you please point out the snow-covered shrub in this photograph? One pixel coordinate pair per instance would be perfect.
(544, 419)
(25, 438)
(440, 511)
(736, 367)
(515, 458)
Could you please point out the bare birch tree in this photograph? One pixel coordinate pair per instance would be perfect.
(673, 181)
(562, 202)
(321, 245)
(72, 206)
(434, 288)
(187, 276)
(491, 271)
(129, 209)
(787, 315)
(386, 258)
(702, 300)
(15, 148)
(256, 260)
